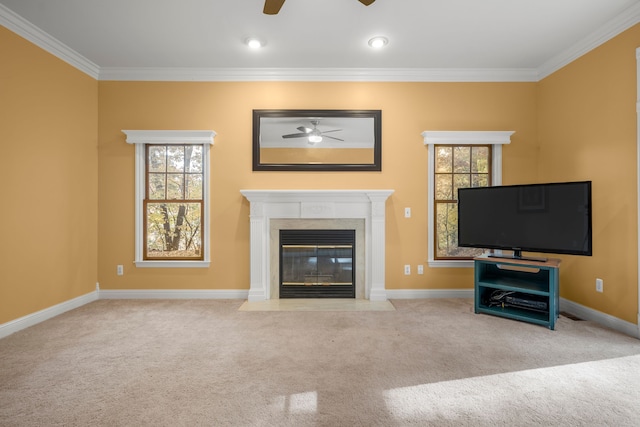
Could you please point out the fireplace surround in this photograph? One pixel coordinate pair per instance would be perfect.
(271, 210)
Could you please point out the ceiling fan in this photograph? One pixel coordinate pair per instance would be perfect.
(313, 134)
(272, 7)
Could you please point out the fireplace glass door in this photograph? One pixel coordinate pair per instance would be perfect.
(317, 264)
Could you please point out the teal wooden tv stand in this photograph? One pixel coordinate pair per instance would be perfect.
(517, 289)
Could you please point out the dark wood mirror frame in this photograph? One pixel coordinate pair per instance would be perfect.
(350, 140)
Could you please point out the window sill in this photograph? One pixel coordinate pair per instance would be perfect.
(450, 263)
(173, 264)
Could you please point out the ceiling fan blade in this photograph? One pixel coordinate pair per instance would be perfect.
(332, 130)
(296, 135)
(331, 137)
(272, 7)
(366, 2)
(304, 129)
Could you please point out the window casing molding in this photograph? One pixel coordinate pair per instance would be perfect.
(432, 138)
(140, 138)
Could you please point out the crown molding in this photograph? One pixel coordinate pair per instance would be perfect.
(622, 22)
(35, 35)
(320, 74)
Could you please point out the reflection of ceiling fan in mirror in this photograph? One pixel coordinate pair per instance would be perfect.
(272, 7)
(314, 134)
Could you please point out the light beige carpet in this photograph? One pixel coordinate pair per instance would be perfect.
(206, 363)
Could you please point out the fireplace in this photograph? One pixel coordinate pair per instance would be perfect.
(317, 264)
(275, 210)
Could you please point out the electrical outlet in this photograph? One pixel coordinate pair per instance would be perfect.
(407, 212)
(120, 270)
(599, 285)
(407, 269)
(420, 269)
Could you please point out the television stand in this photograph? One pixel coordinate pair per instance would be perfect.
(517, 289)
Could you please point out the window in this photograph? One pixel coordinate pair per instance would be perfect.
(457, 160)
(173, 202)
(456, 166)
(172, 197)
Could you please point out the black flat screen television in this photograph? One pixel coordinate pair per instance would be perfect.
(548, 218)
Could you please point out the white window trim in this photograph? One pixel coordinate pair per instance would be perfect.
(142, 137)
(432, 138)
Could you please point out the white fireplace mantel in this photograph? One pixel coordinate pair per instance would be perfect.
(266, 205)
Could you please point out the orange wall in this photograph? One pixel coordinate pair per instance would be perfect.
(49, 213)
(578, 123)
(587, 131)
(407, 110)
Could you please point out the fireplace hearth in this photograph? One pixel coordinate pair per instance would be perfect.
(317, 263)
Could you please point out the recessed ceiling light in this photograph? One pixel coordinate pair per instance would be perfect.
(254, 43)
(378, 42)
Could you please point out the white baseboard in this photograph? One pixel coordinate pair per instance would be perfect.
(174, 294)
(32, 319)
(600, 318)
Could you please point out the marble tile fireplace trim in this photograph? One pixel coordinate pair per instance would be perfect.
(268, 205)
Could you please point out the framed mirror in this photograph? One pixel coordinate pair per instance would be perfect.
(317, 140)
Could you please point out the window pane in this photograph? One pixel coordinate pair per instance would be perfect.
(480, 160)
(156, 186)
(443, 159)
(194, 186)
(175, 158)
(193, 158)
(175, 186)
(460, 181)
(479, 180)
(462, 159)
(447, 232)
(444, 187)
(174, 230)
(157, 159)
(447, 229)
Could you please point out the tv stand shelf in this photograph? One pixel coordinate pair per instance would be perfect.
(517, 289)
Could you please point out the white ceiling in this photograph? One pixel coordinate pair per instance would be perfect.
(309, 39)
